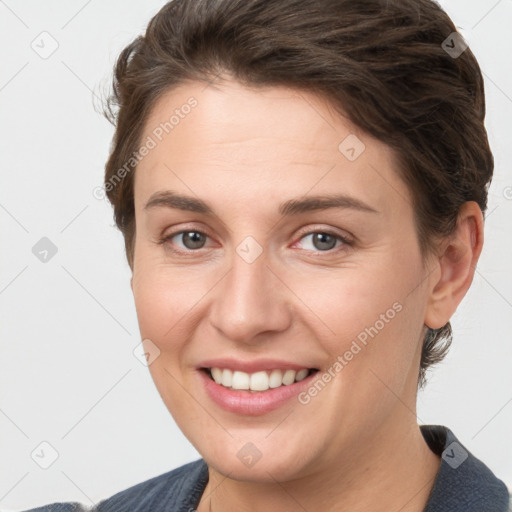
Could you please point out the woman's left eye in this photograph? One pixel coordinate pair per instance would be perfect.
(322, 241)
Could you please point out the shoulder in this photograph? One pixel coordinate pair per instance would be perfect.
(61, 507)
(463, 483)
(179, 487)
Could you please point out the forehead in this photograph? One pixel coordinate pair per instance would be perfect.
(262, 142)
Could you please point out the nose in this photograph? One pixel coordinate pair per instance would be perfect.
(251, 303)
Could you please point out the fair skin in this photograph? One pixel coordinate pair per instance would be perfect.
(356, 446)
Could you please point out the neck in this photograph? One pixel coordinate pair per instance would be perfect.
(393, 470)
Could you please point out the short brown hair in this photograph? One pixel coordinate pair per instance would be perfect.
(381, 63)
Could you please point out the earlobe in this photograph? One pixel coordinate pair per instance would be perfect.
(457, 261)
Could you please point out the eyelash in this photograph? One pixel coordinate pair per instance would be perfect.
(345, 241)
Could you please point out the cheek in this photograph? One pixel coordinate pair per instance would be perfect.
(349, 301)
(372, 320)
(164, 297)
(163, 303)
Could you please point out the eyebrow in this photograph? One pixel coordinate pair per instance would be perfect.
(170, 199)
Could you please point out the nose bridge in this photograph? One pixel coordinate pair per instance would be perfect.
(251, 299)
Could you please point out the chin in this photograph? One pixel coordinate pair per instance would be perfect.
(256, 462)
(262, 471)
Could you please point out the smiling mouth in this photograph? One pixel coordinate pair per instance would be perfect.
(257, 381)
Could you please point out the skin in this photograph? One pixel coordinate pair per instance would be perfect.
(356, 445)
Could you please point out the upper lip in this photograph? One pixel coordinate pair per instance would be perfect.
(252, 366)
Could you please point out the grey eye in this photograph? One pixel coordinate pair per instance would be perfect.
(322, 241)
(192, 239)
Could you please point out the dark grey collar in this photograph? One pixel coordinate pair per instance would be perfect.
(463, 483)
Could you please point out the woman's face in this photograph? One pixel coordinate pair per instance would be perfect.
(253, 279)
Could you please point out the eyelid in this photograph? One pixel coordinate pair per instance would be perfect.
(348, 239)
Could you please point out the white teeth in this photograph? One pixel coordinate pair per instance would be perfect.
(276, 379)
(258, 381)
(240, 380)
(289, 377)
(227, 378)
(301, 374)
(217, 375)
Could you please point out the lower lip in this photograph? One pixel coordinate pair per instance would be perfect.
(256, 403)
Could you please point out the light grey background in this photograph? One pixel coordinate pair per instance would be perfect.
(68, 327)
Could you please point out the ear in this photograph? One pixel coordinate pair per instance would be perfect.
(457, 261)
